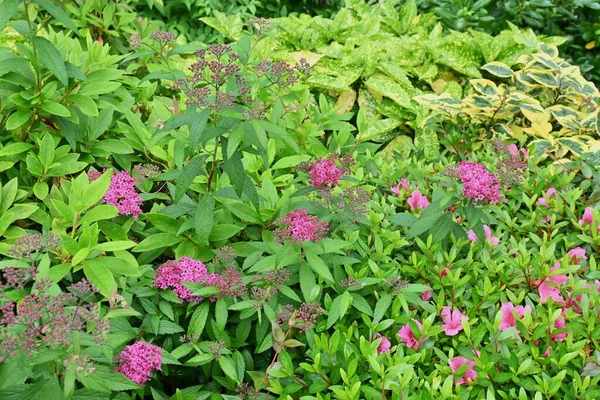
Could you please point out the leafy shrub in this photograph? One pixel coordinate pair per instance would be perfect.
(228, 232)
(576, 20)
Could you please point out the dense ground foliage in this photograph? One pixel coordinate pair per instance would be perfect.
(358, 204)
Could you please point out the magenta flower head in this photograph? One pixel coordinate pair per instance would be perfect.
(427, 295)
(417, 200)
(172, 274)
(297, 226)
(408, 337)
(385, 344)
(546, 288)
(508, 311)
(577, 255)
(325, 172)
(123, 196)
(139, 360)
(478, 183)
(453, 321)
(469, 376)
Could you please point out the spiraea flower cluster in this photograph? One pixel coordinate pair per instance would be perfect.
(122, 194)
(139, 360)
(479, 185)
(511, 167)
(327, 172)
(46, 320)
(30, 246)
(307, 315)
(350, 203)
(297, 227)
(172, 274)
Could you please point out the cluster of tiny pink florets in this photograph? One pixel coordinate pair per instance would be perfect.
(325, 171)
(172, 274)
(478, 183)
(298, 226)
(139, 360)
(121, 193)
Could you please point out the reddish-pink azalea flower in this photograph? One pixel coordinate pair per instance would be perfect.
(385, 344)
(560, 324)
(469, 375)
(488, 236)
(472, 236)
(547, 352)
(408, 337)
(515, 152)
(508, 315)
(402, 184)
(427, 295)
(577, 255)
(453, 321)
(547, 290)
(417, 200)
(549, 193)
(588, 217)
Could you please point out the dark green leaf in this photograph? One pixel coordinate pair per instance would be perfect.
(58, 14)
(204, 218)
(50, 58)
(8, 9)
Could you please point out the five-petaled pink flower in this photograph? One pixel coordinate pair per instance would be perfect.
(385, 344)
(543, 201)
(577, 255)
(472, 236)
(547, 290)
(508, 315)
(408, 337)
(402, 184)
(512, 149)
(488, 236)
(453, 321)
(469, 375)
(417, 200)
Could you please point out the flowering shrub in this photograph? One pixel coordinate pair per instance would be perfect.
(250, 237)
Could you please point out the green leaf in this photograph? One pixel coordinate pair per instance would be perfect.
(101, 123)
(224, 232)
(85, 104)
(234, 168)
(8, 9)
(228, 368)
(46, 151)
(54, 108)
(100, 276)
(221, 314)
(338, 308)
(158, 241)
(50, 58)
(382, 306)
(498, 69)
(41, 190)
(14, 148)
(58, 14)
(319, 266)
(18, 118)
(361, 304)
(97, 189)
(187, 175)
(204, 218)
(198, 320)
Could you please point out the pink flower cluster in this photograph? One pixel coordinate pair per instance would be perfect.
(139, 360)
(123, 196)
(298, 226)
(478, 183)
(172, 275)
(402, 184)
(325, 171)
